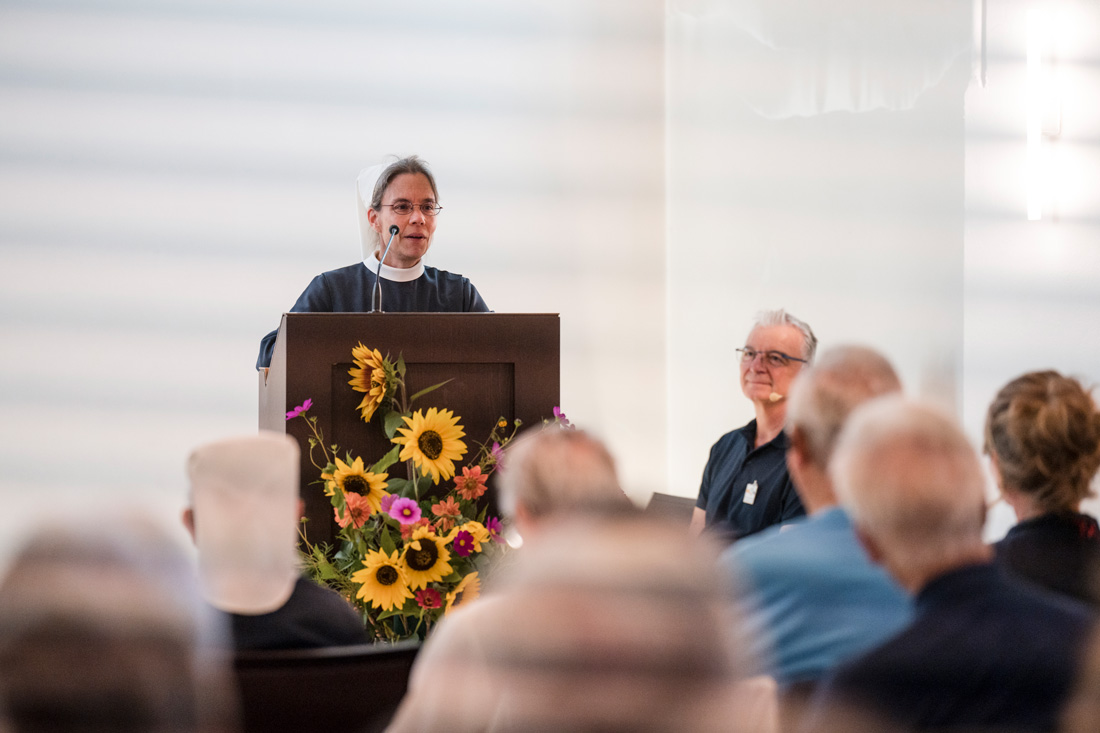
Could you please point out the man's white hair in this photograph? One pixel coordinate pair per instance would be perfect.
(825, 393)
(780, 317)
(912, 481)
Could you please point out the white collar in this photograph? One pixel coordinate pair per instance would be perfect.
(394, 274)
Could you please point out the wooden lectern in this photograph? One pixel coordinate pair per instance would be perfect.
(501, 365)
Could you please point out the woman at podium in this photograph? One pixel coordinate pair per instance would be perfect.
(397, 224)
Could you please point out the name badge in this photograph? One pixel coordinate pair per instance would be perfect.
(750, 493)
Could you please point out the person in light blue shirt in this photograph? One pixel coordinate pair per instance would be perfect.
(811, 596)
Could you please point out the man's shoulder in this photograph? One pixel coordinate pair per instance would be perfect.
(802, 541)
(736, 439)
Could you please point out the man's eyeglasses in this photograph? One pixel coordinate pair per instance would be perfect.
(775, 359)
(405, 208)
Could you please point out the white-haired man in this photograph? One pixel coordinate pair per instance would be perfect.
(983, 651)
(746, 487)
(808, 588)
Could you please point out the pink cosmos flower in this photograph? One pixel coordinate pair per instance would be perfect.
(561, 418)
(300, 410)
(496, 529)
(405, 510)
(497, 453)
(429, 598)
(387, 502)
(463, 543)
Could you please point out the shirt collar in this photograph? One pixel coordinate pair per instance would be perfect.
(394, 274)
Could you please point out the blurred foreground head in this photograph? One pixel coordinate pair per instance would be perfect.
(244, 516)
(102, 629)
(554, 472)
(914, 487)
(827, 392)
(606, 623)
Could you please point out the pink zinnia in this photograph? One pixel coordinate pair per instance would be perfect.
(463, 543)
(429, 598)
(300, 410)
(405, 511)
(471, 485)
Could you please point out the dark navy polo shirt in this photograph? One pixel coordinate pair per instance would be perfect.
(733, 465)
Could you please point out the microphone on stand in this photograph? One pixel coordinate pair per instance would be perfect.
(376, 291)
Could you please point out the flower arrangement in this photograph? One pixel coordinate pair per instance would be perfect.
(405, 557)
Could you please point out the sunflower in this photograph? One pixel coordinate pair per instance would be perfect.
(427, 559)
(384, 581)
(369, 377)
(432, 441)
(356, 479)
(467, 590)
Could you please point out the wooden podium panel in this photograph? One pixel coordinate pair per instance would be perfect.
(500, 364)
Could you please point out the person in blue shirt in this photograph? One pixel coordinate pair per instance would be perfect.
(745, 485)
(807, 589)
(405, 196)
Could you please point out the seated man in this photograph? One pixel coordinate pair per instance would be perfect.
(984, 651)
(745, 484)
(809, 590)
(244, 517)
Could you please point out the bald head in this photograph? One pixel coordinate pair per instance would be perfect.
(827, 392)
(551, 471)
(913, 484)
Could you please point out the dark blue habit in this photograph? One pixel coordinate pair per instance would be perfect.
(348, 290)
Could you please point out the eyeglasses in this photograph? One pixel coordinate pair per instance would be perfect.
(775, 359)
(405, 208)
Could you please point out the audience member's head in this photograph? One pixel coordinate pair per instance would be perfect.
(552, 472)
(102, 628)
(604, 624)
(821, 399)
(1043, 433)
(244, 517)
(914, 487)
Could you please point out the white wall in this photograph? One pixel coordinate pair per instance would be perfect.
(1032, 288)
(175, 173)
(815, 164)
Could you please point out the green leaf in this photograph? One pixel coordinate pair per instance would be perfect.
(392, 422)
(426, 390)
(401, 365)
(397, 486)
(385, 540)
(386, 461)
(425, 483)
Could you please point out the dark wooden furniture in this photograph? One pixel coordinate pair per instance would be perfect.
(501, 365)
(335, 689)
(673, 508)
